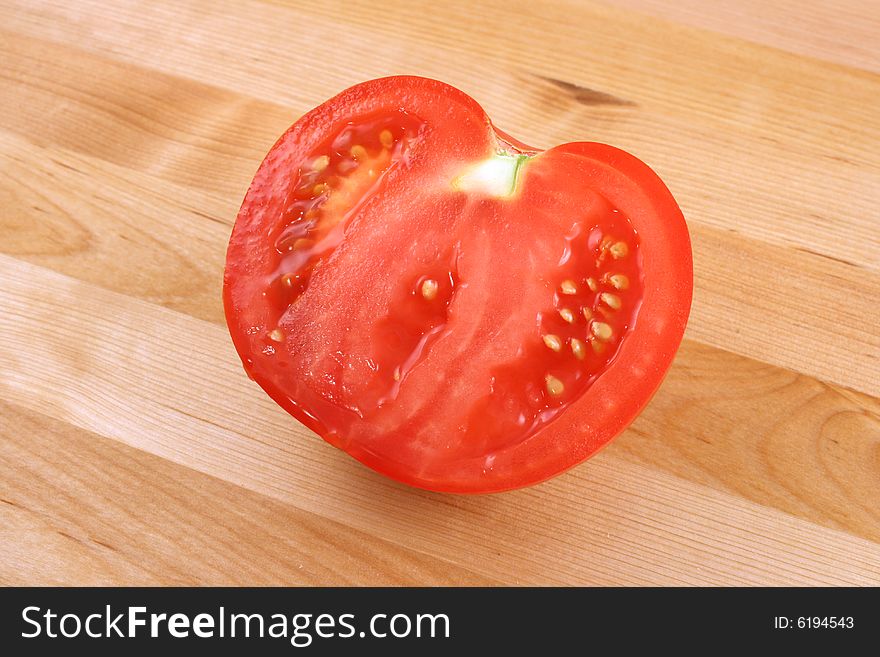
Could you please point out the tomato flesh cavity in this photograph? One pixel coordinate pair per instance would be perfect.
(451, 307)
(338, 175)
(592, 301)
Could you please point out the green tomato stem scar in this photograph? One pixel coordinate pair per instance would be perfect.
(495, 177)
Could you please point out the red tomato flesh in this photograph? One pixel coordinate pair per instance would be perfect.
(453, 308)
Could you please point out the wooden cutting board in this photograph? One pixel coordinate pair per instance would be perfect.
(133, 448)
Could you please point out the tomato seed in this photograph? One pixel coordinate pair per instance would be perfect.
(610, 300)
(618, 250)
(429, 289)
(553, 342)
(567, 315)
(602, 331)
(554, 386)
(568, 286)
(619, 281)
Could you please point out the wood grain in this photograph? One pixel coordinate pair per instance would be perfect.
(603, 531)
(842, 31)
(107, 514)
(783, 133)
(738, 306)
(758, 462)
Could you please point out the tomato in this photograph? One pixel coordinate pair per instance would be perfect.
(453, 308)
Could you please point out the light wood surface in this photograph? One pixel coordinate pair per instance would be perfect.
(133, 448)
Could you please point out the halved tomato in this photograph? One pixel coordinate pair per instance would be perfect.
(449, 306)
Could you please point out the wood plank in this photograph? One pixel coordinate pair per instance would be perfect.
(610, 522)
(841, 31)
(78, 509)
(192, 134)
(137, 235)
(142, 125)
(765, 434)
(748, 308)
(762, 152)
(707, 451)
(787, 307)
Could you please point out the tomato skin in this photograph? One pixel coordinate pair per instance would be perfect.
(456, 132)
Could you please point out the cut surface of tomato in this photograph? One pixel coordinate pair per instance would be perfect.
(453, 308)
